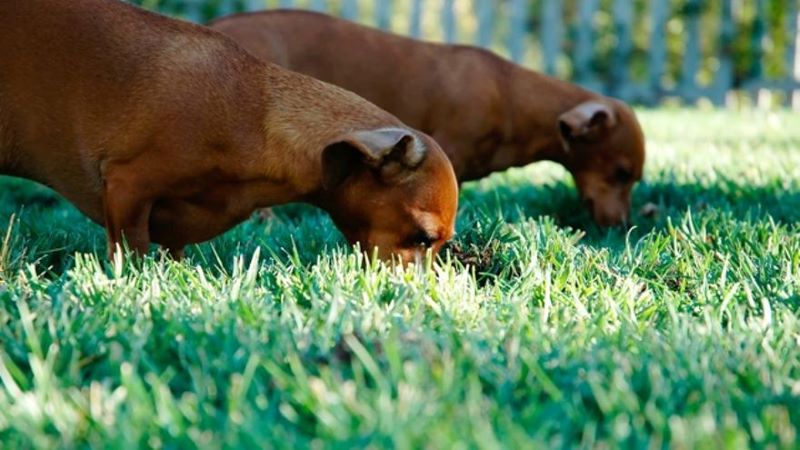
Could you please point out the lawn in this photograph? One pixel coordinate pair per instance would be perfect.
(534, 328)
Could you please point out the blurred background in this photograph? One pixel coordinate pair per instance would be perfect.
(649, 52)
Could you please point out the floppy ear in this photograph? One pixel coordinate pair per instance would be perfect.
(587, 121)
(387, 151)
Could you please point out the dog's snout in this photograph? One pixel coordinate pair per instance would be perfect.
(611, 218)
(608, 207)
(606, 213)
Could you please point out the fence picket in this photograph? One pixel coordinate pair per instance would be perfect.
(226, 7)
(254, 5)
(516, 36)
(415, 24)
(551, 34)
(792, 18)
(724, 79)
(619, 79)
(383, 14)
(350, 9)
(448, 21)
(584, 43)
(691, 57)
(759, 31)
(193, 10)
(317, 5)
(485, 14)
(657, 60)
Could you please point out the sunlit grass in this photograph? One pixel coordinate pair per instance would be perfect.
(533, 328)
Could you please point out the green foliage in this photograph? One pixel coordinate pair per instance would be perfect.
(534, 329)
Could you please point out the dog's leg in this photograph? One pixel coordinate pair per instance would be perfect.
(127, 214)
(177, 253)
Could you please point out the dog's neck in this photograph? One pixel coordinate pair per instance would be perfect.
(274, 158)
(535, 104)
(303, 117)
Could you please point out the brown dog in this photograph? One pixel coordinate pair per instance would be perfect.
(487, 113)
(169, 132)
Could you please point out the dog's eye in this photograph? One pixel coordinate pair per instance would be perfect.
(421, 239)
(623, 175)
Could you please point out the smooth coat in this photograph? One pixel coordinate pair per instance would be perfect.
(168, 132)
(487, 113)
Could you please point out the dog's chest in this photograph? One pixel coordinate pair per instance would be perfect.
(206, 212)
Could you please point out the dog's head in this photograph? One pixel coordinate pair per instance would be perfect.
(390, 188)
(605, 154)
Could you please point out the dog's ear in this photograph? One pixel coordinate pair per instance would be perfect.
(389, 152)
(587, 121)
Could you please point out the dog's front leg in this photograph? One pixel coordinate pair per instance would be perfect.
(177, 253)
(127, 215)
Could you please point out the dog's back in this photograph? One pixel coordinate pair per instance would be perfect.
(170, 132)
(82, 79)
(412, 79)
(323, 46)
(71, 66)
(448, 91)
(487, 113)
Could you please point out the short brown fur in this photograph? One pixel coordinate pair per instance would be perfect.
(487, 113)
(168, 132)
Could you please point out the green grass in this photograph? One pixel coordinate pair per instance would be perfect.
(534, 328)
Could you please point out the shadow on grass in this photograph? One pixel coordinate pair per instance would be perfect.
(50, 231)
(654, 205)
